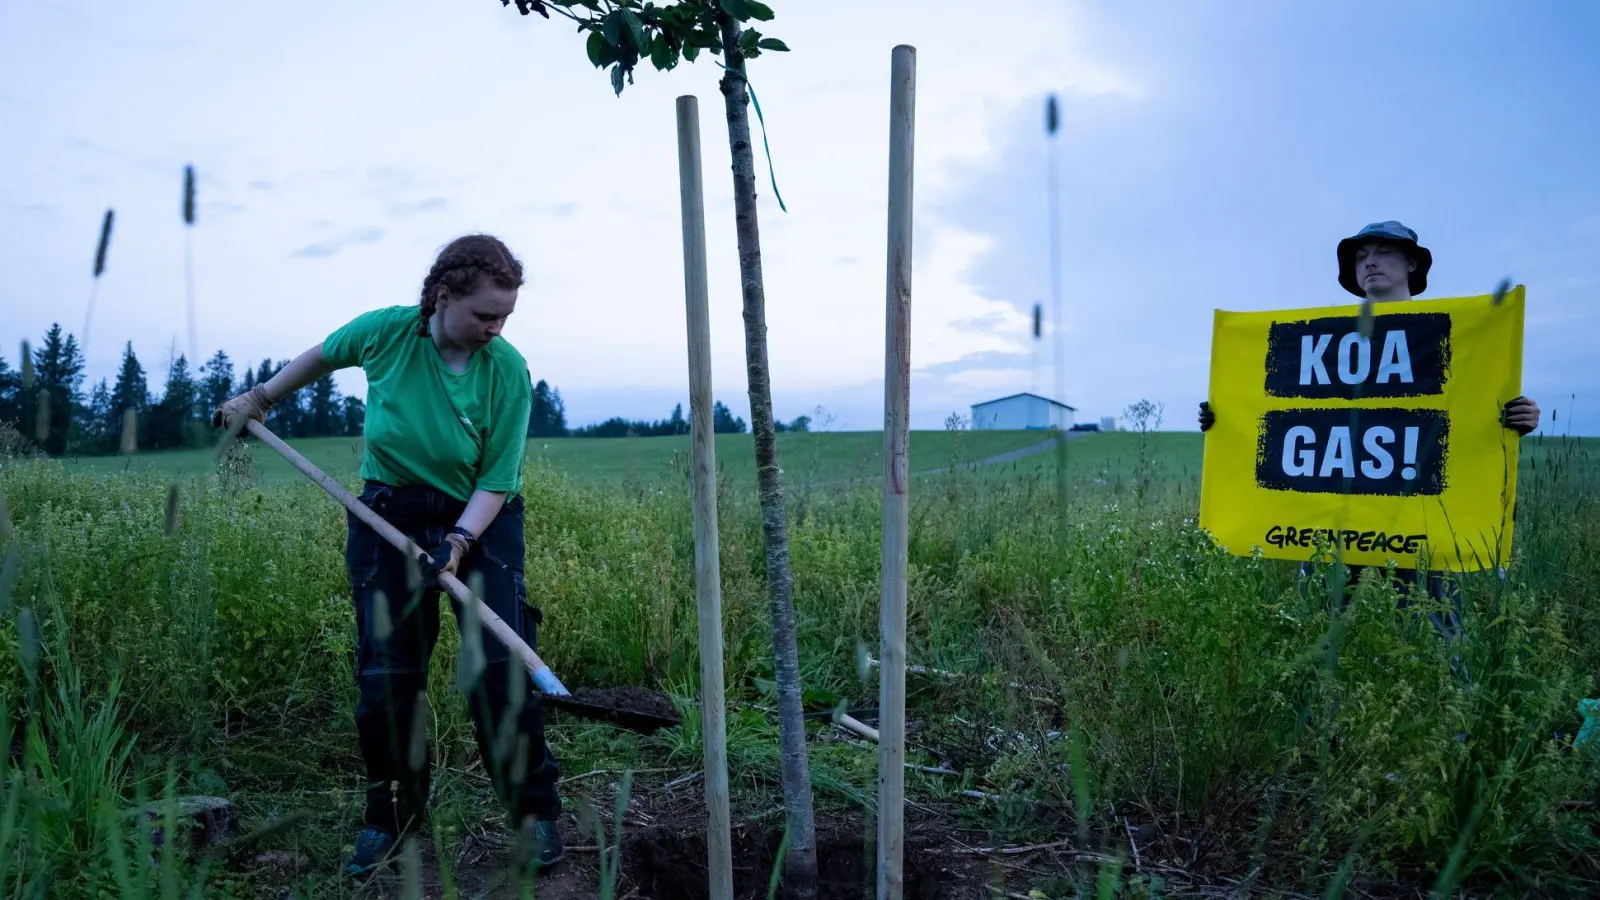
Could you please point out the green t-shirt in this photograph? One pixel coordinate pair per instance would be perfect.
(427, 424)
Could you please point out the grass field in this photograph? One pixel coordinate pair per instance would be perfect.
(1192, 723)
(807, 457)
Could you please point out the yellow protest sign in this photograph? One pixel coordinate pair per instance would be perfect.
(1388, 446)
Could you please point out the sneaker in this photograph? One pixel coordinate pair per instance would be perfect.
(539, 845)
(373, 848)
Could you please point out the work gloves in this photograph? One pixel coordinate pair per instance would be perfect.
(446, 557)
(252, 404)
(1520, 415)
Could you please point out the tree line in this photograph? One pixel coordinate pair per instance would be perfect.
(44, 399)
(548, 418)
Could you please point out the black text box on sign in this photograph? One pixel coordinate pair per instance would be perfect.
(1379, 452)
(1408, 355)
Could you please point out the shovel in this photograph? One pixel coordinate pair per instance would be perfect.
(635, 709)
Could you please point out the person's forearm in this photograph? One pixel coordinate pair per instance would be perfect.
(481, 509)
(306, 368)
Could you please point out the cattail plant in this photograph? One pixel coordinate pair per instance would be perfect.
(130, 431)
(41, 411)
(1052, 122)
(99, 268)
(1038, 330)
(188, 254)
(41, 417)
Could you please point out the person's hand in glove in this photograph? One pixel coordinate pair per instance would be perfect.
(252, 404)
(1207, 417)
(446, 557)
(1521, 415)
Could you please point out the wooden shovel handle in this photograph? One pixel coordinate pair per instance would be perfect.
(543, 678)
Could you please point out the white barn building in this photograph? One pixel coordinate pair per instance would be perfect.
(1021, 411)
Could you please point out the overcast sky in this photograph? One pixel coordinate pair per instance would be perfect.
(1211, 156)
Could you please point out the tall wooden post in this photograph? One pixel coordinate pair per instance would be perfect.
(708, 575)
(896, 473)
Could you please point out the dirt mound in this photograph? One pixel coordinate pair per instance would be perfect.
(669, 863)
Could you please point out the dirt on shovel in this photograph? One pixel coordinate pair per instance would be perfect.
(633, 708)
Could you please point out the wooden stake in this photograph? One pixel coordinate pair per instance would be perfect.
(896, 474)
(708, 575)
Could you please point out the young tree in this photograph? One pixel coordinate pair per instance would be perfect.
(322, 408)
(58, 371)
(216, 384)
(558, 414)
(97, 418)
(725, 422)
(10, 388)
(353, 415)
(289, 417)
(132, 391)
(620, 34)
(548, 417)
(172, 421)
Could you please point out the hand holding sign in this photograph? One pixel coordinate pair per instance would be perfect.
(1521, 415)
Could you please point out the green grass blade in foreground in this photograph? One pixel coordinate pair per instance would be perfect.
(777, 865)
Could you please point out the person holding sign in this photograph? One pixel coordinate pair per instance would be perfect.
(1399, 451)
(1383, 263)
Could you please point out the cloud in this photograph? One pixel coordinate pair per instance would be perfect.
(322, 249)
(261, 184)
(402, 209)
(220, 208)
(552, 209)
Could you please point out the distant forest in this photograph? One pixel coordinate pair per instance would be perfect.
(43, 398)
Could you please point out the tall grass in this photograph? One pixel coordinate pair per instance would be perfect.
(1214, 698)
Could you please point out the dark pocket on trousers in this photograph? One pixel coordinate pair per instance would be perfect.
(362, 545)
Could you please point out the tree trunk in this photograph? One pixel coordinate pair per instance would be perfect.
(800, 869)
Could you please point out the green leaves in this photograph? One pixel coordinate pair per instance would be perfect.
(745, 10)
(597, 49)
(635, 30)
(620, 33)
(662, 54)
(751, 43)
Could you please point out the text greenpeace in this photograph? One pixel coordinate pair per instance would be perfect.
(1385, 452)
(1348, 539)
(1408, 355)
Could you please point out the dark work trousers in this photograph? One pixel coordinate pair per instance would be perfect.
(396, 630)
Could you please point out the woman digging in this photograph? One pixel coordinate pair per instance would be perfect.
(448, 402)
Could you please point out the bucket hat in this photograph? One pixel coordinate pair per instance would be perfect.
(1390, 232)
